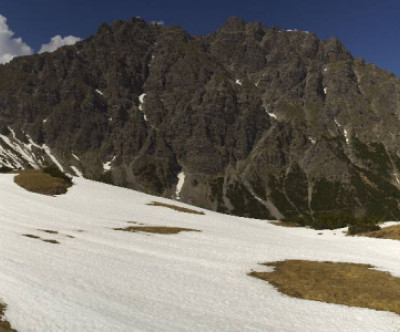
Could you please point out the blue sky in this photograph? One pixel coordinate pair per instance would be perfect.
(369, 29)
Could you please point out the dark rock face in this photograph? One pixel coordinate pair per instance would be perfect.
(263, 123)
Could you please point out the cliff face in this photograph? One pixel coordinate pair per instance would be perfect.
(249, 120)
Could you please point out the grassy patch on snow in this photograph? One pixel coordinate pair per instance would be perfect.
(31, 236)
(51, 241)
(176, 208)
(391, 232)
(5, 326)
(40, 182)
(355, 285)
(49, 231)
(156, 229)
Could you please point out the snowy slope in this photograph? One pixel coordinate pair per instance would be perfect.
(107, 280)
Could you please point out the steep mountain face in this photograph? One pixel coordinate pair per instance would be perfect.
(249, 120)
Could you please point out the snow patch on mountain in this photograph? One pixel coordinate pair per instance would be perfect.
(179, 186)
(141, 101)
(345, 133)
(107, 165)
(47, 149)
(77, 171)
(272, 115)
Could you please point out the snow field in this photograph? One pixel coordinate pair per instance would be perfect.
(107, 280)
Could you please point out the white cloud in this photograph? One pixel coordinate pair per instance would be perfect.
(57, 42)
(10, 47)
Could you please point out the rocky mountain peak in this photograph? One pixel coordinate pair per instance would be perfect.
(258, 121)
(232, 25)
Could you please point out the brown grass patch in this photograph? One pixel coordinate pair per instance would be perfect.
(39, 182)
(290, 224)
(176, 208)
(156, 229)
(391, 232)
(31, 236)
(5, 326)
(49, 231)
(355, 285)
(51, 241)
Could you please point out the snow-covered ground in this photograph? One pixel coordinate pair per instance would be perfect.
(107, 280)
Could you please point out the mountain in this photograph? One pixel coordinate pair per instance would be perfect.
(249, 120)
(67, 266)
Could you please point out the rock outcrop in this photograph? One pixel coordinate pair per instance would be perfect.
(249, 120)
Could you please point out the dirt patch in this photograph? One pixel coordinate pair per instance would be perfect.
(391, 232)
(156, 229)
(356, 285)
(176, 208)
(39, 182)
